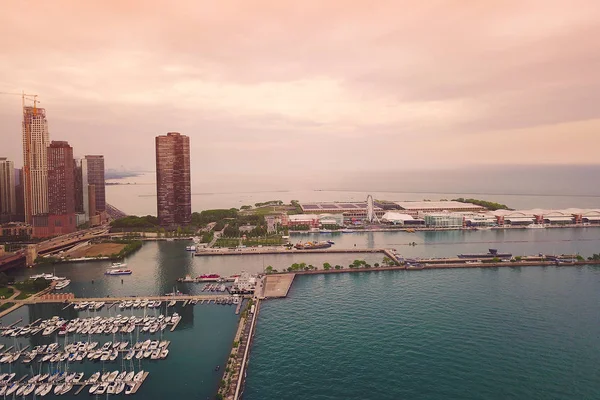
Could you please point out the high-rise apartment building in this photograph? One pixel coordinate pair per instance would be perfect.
(173, 187)
(19, 193)
(61, 181)
(35, 169)
(8, 201)
(78, 185)
(95, 176)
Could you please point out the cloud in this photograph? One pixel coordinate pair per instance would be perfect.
(279, 82)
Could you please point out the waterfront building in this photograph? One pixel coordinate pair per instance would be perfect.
(397, 218)
(61, 188)
(173, 185)
(444, 220)
(353, 212)
(8, 202)
(35, 143)
(95, 176)
(417, 208)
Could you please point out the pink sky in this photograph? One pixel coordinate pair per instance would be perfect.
(269, 82)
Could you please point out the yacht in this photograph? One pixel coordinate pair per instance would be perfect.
(172, 303)
(112, 376)
(94, 378)
(119, 388)
(13, 388)
(130, 387)
(47, 388)
(164, 353)
(62, 284)
(138, 377)
(101, 388)
(129, 376)
(118, 272)
(93, 388)
(118, 265)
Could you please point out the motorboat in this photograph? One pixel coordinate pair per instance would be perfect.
(101, 388)
(62, 284)
(119, 388)
(129, 376)
(94, 378)
(164, 353)
(130, 388)
(93, 388)
(139, 376)
(118, 265)
(113, 375)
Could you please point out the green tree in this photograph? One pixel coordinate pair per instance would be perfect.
(269, 269)
(376, 265)
(326, 266)
(4, 279)
(338, 267)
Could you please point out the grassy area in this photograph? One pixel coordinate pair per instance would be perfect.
(234, 242)
(6, 292)
(31, 286)
(22, 296)
(6, 306)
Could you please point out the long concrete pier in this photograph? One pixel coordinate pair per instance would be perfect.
(276, 250)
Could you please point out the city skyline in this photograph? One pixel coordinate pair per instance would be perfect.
(493, 84)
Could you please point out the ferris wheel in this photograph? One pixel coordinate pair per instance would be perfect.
(371, 216)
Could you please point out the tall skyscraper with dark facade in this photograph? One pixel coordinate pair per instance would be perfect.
(8, 201)
(173, 186)
(19, 195)
(61, 189)
(35, 169)
(61, 181)
(95, 176)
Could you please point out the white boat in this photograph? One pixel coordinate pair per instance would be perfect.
(93, 388)
(130, 387)
(94, 377)
(118, 265)
(121, 376)
(113, 376)
(47, 388)
(536, 226)
(119, 388)
(164, 353)
(111, 388)
(101, 388)
(129, 376)
(62, 284)
(138, 377)
(172, 303)
(13, 388)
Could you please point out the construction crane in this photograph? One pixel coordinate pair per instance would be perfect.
(27, 149)
(25, 96)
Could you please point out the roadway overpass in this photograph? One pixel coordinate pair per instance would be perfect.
(48, 246)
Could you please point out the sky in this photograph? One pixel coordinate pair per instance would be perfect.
(307, 86)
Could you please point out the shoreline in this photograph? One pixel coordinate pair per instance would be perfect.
(410, 229)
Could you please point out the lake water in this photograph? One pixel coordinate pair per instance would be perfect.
(504, 333)
(457, 334)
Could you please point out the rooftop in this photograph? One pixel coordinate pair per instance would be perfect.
(438, 205)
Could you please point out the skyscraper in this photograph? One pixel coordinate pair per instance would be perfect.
(173, 187)
(19, 193)
(8, 202)
(95, 176)
(61, 182)
(35, 168)
(61, 190)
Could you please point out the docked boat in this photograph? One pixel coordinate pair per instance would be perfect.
(118, 272)
(62, 284)
(312, 246)
(118, 265)
(208, 278)
(190, 248)
(492, 253)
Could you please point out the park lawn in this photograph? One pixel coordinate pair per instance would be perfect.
(22, 296)
(6, 292)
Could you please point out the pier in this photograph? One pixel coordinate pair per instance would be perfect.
(281, 250)
(274, 286)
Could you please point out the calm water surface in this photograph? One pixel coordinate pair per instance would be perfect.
(460, 334)
(506, 333)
